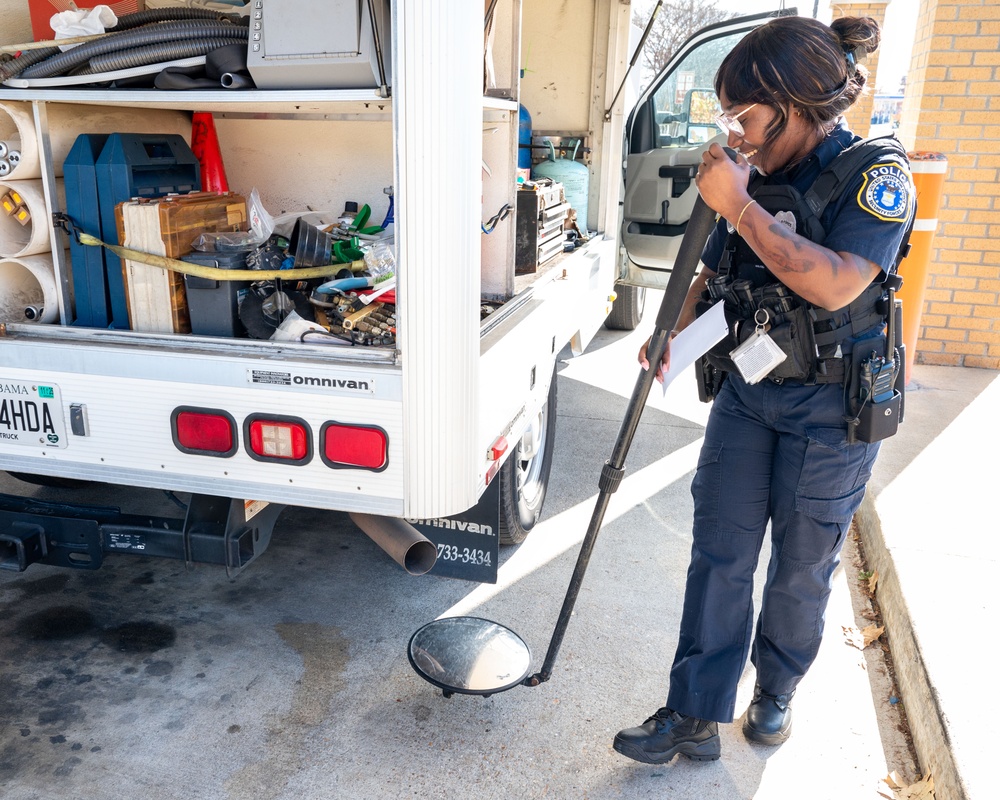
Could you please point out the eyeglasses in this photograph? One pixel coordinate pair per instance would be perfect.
(730, 124)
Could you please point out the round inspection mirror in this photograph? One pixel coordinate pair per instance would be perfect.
(469, 655)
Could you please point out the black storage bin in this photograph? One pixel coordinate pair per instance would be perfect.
(214, 306)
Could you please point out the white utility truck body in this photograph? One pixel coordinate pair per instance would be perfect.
(457, 396)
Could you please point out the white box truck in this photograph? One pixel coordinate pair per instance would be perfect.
(448, 434)
(453, 425)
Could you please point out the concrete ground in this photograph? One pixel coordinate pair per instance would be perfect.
(148, 679)
(931, 532)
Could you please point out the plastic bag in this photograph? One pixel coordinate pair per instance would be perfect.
(261, 223)
(380, 261)
(86, 22)
(261, 227)
(293, 327)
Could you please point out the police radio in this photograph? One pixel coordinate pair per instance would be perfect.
(879, 380)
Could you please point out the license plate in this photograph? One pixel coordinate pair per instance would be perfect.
(31, 414)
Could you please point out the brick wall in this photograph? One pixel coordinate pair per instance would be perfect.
(859, 115)
(951, 107)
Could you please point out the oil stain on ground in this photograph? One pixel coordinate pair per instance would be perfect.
(324, 653)
(77, 667)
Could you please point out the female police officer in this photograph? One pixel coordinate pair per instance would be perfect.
(777, 448)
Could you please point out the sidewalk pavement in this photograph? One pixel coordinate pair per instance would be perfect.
(925, 529)
(930, 530)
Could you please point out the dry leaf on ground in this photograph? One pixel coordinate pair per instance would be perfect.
(861, 639)
(873, 582)
(854, 637)
(871, 633)
(921, 790)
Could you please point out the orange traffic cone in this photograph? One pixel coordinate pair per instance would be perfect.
(205, 146)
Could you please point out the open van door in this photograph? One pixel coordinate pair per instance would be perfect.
(669, 128)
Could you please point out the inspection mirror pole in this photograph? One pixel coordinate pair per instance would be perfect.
(476, 656)
(686, 264)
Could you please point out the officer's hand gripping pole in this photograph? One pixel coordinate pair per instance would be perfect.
(686, 264)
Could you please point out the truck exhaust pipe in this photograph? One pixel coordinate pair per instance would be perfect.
(404, 544)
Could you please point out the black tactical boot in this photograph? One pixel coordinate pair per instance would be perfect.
(667, 733)
(769, 717)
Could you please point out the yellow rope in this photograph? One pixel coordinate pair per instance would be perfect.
(217, 274)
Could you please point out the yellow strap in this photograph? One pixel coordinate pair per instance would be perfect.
(217, 274)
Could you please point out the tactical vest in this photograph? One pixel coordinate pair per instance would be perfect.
(813, 339)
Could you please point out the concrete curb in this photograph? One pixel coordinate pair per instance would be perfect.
(923, 712)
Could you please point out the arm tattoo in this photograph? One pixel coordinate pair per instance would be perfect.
(802, 255)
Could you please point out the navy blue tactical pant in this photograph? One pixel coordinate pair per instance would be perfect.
(779, 454)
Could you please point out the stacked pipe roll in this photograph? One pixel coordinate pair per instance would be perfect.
(28, 269)
(27, 273)
(28, 291)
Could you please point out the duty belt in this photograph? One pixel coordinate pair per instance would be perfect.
(833, 331)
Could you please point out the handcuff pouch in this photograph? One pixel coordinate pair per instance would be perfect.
(792, 331)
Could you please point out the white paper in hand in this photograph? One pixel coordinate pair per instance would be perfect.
(694, 341)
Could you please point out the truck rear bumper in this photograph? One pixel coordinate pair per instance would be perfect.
(214, 530)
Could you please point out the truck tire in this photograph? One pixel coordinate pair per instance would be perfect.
(626, 313)
(524, 477)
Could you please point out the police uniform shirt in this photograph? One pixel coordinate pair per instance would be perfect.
(868, 219)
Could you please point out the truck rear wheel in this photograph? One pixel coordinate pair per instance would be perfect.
(525, 475)
(626, 312)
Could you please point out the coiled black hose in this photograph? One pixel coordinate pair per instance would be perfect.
(150, 34)
(14, 67)
(155, 53)
(150, 15)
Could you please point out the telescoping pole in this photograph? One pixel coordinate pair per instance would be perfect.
(685, 265)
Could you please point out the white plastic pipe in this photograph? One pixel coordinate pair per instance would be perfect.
(17, 131)
(35, 237)
(67, 121)
(28, 289)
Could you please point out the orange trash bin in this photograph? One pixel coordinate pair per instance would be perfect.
(928, 171)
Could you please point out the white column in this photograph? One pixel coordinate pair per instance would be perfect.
(437, 86)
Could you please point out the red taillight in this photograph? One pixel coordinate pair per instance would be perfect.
(204, 431)
(278, 439)
(354, 446)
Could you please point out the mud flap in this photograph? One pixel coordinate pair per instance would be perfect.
(468, 547)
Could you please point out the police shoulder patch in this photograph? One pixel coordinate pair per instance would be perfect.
(885, 192)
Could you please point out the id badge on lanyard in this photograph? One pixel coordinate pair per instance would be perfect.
(758, 355)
